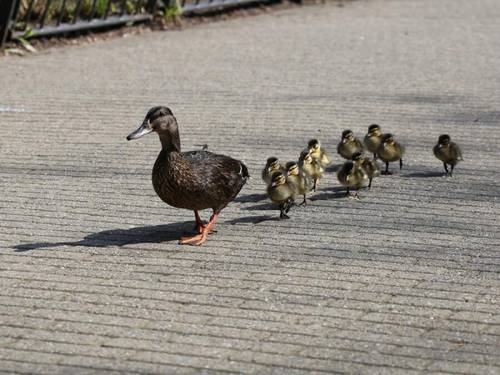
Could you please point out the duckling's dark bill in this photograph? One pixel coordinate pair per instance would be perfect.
(143, 130)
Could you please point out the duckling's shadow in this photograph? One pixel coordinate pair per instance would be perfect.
(335, 192)
(253, 219)
(333, 168)
(423, 174)
(250, 198)
(120, 237)
(262, 207)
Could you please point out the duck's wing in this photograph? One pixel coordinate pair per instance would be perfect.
(455, 151)
(219, 175)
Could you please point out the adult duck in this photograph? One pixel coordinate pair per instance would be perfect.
(195, 180)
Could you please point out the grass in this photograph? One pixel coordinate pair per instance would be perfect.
(67, 12)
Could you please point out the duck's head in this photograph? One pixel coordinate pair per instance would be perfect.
(357, 157)
(277, 179)
(273, 164)
(158, 119)
(306, 157)
(313, 145)
(374, 130)
(347, 135)
(292, 168)
(387, 139)
(444, 139)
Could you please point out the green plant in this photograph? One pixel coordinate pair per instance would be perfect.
(173, 10)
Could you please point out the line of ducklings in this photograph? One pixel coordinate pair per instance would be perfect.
(285, 183)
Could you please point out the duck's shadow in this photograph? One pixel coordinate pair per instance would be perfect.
(335, 192)
(120, 237)
(423, 174)
(253, 219)
(333, 168)
(250, 198)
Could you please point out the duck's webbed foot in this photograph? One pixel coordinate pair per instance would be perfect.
(386, 172)
(451, 171)
(304, 202)
(354, 196)
(203, 231)
(446, 169)
(285, 208)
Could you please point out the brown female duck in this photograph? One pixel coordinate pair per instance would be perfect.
(195, 180)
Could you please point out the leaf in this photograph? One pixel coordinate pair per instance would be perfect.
(14, 51)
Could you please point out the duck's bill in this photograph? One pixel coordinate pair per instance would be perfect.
(143, 130)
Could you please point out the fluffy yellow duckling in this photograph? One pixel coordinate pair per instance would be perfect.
(369, 166)
(352, 176)
(448, 152)
(272, 165)
(373, 138)
(317, 152)
(297, 180)
(279, 191)
(389, 151)
(348, 145)
(310, 167)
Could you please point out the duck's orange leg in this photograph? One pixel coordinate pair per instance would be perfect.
(199, 223)
(202, 237)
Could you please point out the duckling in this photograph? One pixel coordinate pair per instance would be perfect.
(318, 153)
(195, 180)
(389, 151)
(299, 182)
(448, 152)
(369, 166)
(349, 145)
(352, 176)
(372, 139)
(310, 167)
(272, 165)
(281, 192)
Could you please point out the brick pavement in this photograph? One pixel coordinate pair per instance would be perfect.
(404, 281)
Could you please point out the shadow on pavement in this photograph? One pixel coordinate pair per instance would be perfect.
(251, 198)
(254, 219)
(423, 174)
(335, 192)
(120, 237)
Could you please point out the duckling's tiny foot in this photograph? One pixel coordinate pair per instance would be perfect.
(284, 216)
(386, 173)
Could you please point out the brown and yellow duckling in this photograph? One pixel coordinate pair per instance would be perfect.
(317, 152)
(352, 176)
(297, 180)
(348, 145)
(372, 139)
(281, 192)
(369, 166)
(273, 165)
(310, 167)
(448, 152)
(390, 151)
(195, 180)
